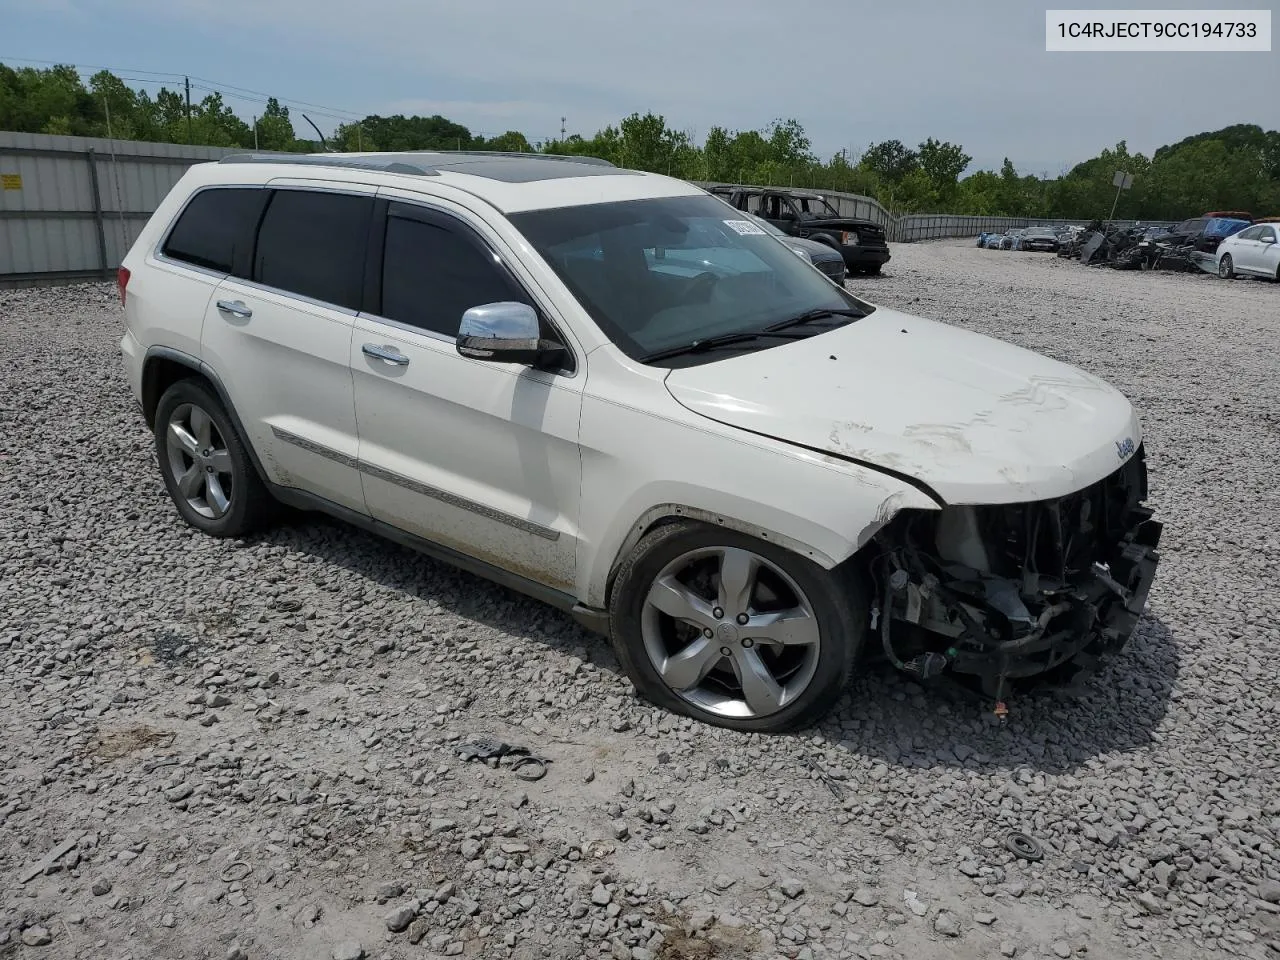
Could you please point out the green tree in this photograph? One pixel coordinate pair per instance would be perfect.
(275, 129)
(890, 160)
(509, 142)
(942, 163)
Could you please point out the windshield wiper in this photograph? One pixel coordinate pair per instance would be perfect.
(724, 340)
(809, 316)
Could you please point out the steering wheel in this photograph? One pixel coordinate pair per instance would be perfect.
(699, 290)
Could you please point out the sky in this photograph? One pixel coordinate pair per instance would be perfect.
(853, 72)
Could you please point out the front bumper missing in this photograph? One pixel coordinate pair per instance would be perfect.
(1066, 584)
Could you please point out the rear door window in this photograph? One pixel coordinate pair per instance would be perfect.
(312, 243)
(215, 230)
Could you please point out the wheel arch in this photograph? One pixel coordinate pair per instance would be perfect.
(162, 367)
(826, 239)
(842, 546)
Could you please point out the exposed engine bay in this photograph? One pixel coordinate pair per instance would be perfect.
(1011, 597)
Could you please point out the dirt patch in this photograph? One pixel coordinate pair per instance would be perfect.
(715, 943)
(114, 744)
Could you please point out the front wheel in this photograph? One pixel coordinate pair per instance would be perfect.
(734, 631)
(1226, 269)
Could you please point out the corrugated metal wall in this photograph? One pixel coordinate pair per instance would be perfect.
(70, 207)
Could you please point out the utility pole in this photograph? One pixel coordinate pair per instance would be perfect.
(562, 123)
(187, 83)
(255, 133)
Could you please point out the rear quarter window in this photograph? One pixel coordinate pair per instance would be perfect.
(215, 229)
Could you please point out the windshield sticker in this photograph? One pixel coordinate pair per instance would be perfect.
(744, 227)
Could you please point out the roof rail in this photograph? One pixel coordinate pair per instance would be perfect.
(400, 163)
(593, 161)
(383, 164)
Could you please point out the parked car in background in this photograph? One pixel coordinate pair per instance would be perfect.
(1203, 234)
(994, 241)
(1009, 238)
(821, 255)
(1039, 239)
(604, 389)
(1254, 251)
(810, 216)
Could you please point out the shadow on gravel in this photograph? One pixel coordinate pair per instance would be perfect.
(885, 716)
(417, 575)
(890, 718)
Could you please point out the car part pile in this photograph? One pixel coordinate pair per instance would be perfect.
(1131, 248)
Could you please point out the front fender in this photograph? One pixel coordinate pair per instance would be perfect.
(646, 462)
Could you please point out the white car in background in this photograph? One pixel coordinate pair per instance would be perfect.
(606, 389)
(1254, 251)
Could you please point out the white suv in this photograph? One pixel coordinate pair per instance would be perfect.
(601, 388)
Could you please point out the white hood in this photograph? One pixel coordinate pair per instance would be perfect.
(976, 419)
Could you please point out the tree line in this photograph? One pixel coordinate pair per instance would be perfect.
(1236, 168)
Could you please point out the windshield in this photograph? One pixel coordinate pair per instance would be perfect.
(660, 273)
(815, 207)
(1224, 226)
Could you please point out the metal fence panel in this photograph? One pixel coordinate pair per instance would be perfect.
(73, 206)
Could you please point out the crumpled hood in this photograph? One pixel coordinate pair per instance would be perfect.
(976, 419)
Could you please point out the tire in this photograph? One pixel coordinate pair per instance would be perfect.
(871, 269)
(792, 685)
(1226, 269)
(225, 499)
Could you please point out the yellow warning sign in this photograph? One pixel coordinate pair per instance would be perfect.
(10, 181)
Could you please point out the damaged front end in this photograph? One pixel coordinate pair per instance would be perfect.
(1011, 597)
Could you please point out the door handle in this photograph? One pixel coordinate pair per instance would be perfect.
(236, 308)
(389, 354)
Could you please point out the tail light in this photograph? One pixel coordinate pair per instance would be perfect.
(122, 282)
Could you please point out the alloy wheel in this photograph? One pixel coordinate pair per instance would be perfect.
(199, 463)
(730, 632)
(1225, 267)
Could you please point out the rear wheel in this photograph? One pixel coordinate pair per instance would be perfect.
(735, 631)
(205, 465)
(1226, 270)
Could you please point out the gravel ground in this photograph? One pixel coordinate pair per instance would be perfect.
(246, 749)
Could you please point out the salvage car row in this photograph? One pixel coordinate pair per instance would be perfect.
(1226, 243)
(1038, 238)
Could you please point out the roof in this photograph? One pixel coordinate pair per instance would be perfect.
(512, 182)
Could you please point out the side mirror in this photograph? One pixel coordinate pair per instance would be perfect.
(506, 332)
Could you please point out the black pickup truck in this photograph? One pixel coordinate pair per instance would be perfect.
(810, 217)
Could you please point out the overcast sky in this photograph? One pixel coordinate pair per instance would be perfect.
(852, 72)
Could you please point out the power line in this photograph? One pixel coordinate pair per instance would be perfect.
(337, 112)
(234, 92)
